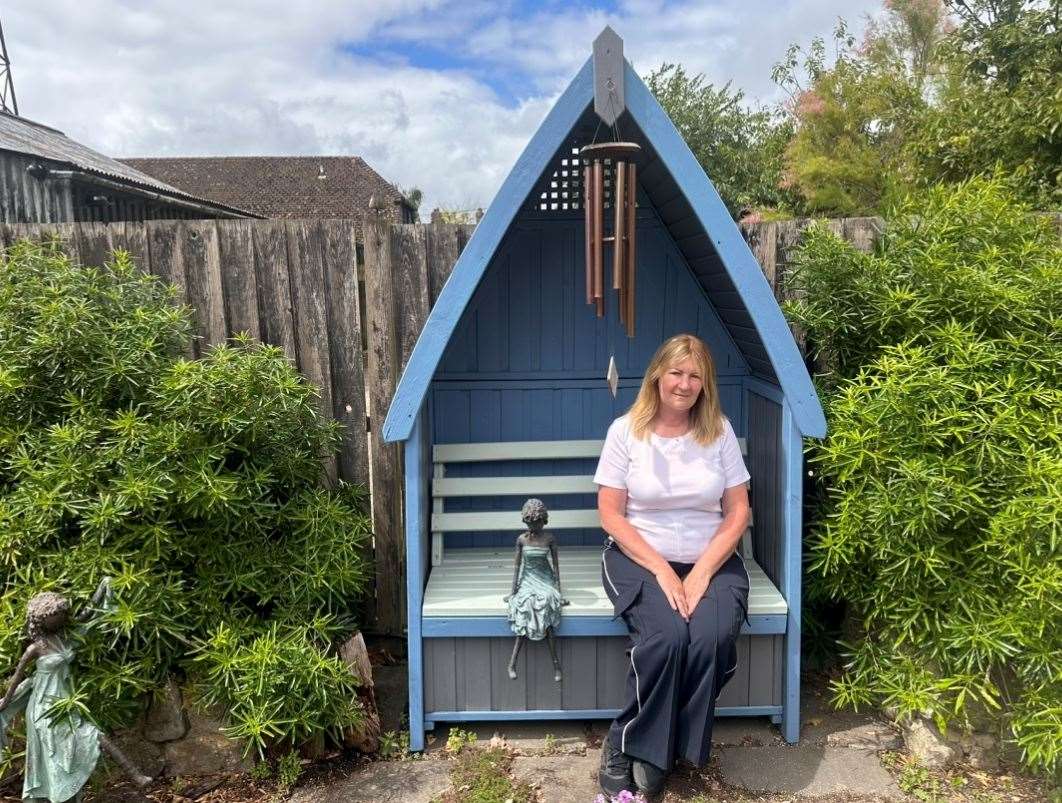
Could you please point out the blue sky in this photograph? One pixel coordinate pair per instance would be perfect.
(439, 94)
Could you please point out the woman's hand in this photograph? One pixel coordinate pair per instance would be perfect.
(673, 590)
(695, 585)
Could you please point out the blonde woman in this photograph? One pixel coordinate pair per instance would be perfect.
(674, 503)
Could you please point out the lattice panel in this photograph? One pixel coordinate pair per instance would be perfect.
(563, 190)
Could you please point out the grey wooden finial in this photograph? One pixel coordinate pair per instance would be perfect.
(608, 76)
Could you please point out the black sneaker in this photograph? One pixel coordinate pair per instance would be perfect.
(649, 778)
(615, 773)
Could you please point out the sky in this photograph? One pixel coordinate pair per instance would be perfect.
(438, 94)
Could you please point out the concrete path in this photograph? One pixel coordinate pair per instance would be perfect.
(837, 755)
(561, 758)
(383, 782)
(807, 771)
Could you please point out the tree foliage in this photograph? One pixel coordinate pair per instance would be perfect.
(942, 525)
(196, 485)
(999, 101)
(853, 118)
(922, 99)
(739, 148)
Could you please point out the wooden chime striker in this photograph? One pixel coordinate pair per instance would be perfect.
(597, 158)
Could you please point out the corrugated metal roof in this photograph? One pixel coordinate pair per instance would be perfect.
(26, 136)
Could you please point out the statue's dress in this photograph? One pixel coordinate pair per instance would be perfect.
(536, 605)
(60, 755)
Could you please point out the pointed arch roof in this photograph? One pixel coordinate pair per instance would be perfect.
(686, 201)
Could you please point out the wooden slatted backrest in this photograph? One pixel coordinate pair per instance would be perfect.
(444, 487)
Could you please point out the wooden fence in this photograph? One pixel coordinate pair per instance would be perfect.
(295, 284)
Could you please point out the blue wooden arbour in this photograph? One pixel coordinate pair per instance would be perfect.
(510, 352)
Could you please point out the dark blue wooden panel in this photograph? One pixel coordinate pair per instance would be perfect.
(528, 315)
(466, 678)
(764, 428)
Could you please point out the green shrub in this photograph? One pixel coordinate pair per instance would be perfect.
(942, 525)
(196, 485)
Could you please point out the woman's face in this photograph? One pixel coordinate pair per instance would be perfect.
(680, 386)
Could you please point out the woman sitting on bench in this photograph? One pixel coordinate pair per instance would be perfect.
(673, 499)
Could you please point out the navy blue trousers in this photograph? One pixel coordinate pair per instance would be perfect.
(677, 668)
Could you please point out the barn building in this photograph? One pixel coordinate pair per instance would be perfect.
(46, 177)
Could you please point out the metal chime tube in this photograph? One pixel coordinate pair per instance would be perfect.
(599, 210)
(619, 230)
(629, 251)
(588, 208)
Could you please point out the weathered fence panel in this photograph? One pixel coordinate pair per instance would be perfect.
(344, 347)
(385, 459)
(293, 284)
(238, 280)
(774, 242)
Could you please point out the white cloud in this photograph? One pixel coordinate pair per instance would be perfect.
(214, 78)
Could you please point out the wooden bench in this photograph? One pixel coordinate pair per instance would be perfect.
(472, 581)
(463, 632)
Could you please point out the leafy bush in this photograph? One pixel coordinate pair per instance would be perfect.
(196, 485)
(942, 525)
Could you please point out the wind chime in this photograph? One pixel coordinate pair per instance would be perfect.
(610, 173)
(598, 158)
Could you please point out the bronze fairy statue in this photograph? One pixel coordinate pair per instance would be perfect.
(536, 601)
(61, 751)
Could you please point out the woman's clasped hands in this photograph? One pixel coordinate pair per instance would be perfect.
(683, 595)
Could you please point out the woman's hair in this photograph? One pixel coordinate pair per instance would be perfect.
(40, 607)
(706, 415)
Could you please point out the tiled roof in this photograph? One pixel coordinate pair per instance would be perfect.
(26, 136)
(281, 186)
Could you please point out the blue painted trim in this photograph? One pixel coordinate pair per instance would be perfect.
(458, 290)
(416, 529)
(765, 389)
(792, 468)
(739, 261)
(586, 713)
(538, 379)
(737, 258)
(485, 626)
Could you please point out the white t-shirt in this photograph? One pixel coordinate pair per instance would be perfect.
(674, 485)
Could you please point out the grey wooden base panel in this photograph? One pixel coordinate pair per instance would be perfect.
(469, 674)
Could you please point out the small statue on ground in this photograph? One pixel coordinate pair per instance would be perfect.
(61, 751)
(536, 601)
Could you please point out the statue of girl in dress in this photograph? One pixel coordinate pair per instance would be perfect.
(536, 601)
(61, 752)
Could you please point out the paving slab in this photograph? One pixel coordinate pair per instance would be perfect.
(560, 779)
(383, 782)
(809, 771)
(871, 736)
(732, 731)
(819, 721)
(568, 736)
